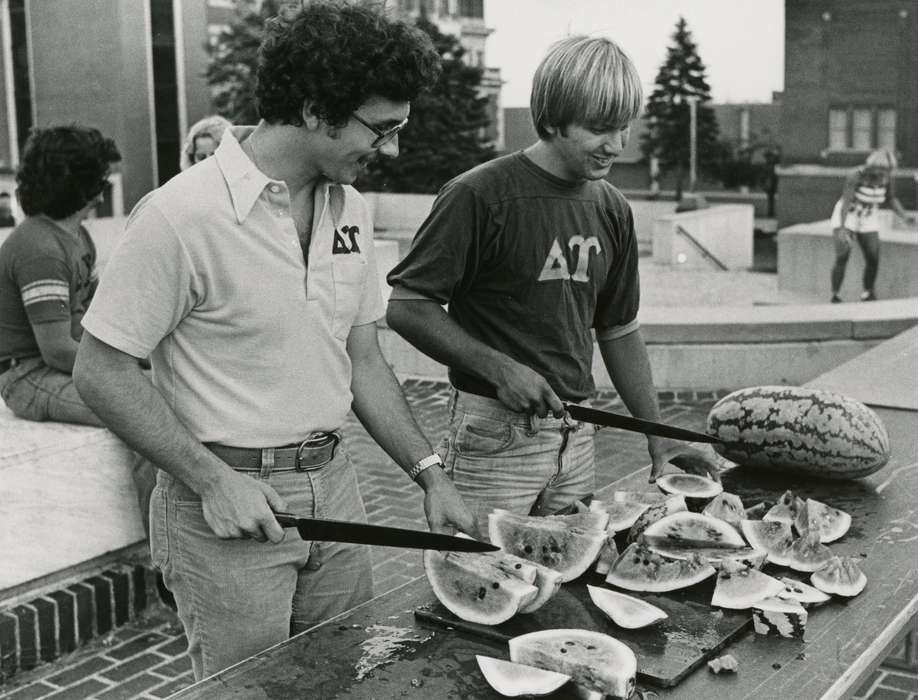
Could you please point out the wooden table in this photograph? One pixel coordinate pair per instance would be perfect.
(379, 650)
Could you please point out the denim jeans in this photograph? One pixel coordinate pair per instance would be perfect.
(498, 458)
(238, 597)
(34, 391)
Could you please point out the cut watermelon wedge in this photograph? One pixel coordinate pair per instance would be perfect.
(513, 680)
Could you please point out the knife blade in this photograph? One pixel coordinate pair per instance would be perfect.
(637, 425)
(319, 530)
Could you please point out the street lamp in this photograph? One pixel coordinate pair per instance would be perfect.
(693, 139)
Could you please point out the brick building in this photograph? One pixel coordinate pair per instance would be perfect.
(850, 85)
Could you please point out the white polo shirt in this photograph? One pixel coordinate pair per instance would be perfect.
(247, 344)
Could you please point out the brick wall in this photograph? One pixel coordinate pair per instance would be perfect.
(56, 623)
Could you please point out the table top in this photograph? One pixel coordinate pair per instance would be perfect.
(378, 650)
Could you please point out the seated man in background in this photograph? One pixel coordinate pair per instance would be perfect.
(47, 272)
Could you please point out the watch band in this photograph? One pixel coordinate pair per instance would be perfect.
(423, 464)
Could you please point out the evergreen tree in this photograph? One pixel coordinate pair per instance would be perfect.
(667, 114)
(442, 138)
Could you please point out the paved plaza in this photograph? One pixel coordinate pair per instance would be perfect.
(146, 659)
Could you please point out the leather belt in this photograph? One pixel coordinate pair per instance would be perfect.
(313, 453)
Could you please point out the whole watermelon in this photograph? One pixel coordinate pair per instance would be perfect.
(806, 431)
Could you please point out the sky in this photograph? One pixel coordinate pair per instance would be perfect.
(741, 42)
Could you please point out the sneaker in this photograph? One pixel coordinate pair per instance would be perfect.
(868, 296)
(835, 299)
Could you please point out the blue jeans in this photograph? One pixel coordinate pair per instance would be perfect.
(498, 458)
(237, 597)
(34, 391)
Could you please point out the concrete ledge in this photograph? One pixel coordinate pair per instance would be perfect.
(703, 348)
(68, 496)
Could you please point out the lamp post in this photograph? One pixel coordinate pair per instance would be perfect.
(693, 139)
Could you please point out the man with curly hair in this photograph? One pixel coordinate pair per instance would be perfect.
(251, 281)
(47, 272)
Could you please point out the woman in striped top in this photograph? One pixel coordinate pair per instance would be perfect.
(855, 217)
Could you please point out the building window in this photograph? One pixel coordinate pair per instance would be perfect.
(471, 8)
(862, 128)
(838, 129)
(886, 129)
(22, 87)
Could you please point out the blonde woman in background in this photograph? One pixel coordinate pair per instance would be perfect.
(202, 140)
(856, 217)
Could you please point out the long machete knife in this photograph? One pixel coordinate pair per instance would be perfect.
(638, 425)
(313, 529)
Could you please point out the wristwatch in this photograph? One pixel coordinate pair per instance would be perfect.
(423, 464)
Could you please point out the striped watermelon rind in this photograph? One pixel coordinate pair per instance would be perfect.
(802, 430)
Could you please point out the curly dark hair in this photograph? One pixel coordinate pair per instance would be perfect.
(338, 55)
(63, 168)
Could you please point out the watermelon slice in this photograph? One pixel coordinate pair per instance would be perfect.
(715, 556)
(840, 576)
(625, 610)
(807, 553)
(639, 569)
(551, 541)
(774, 536)
(738, 587)
(596, 662)
(727, 507)
(803, 593)
(474, 589)
(513, 679)
(785, 510)
(831, 523)
(621, 515)
(675, 504)
(689, 485)
(692, 529)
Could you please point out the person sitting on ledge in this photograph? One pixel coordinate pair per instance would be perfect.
(855, 218)
(47, 272)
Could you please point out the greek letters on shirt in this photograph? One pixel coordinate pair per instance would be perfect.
(345, 240)
(556, 265)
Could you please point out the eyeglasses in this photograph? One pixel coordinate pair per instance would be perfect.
(382, 137)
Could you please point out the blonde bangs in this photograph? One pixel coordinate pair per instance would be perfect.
(587, 81)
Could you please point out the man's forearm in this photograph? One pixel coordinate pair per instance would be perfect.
(116, 389)
(382, 409)
(629, 368)
(427, 326)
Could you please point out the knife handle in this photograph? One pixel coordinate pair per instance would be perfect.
(286, 519)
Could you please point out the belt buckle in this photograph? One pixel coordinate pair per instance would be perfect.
(312, 443)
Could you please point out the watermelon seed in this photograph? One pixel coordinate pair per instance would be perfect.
(495, 585)
(528, 549)
(591, 647)
(518, 566)
(481, 593)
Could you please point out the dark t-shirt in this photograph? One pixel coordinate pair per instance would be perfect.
(46, 274)
(528, 264)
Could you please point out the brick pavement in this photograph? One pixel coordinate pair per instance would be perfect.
(145, 659)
